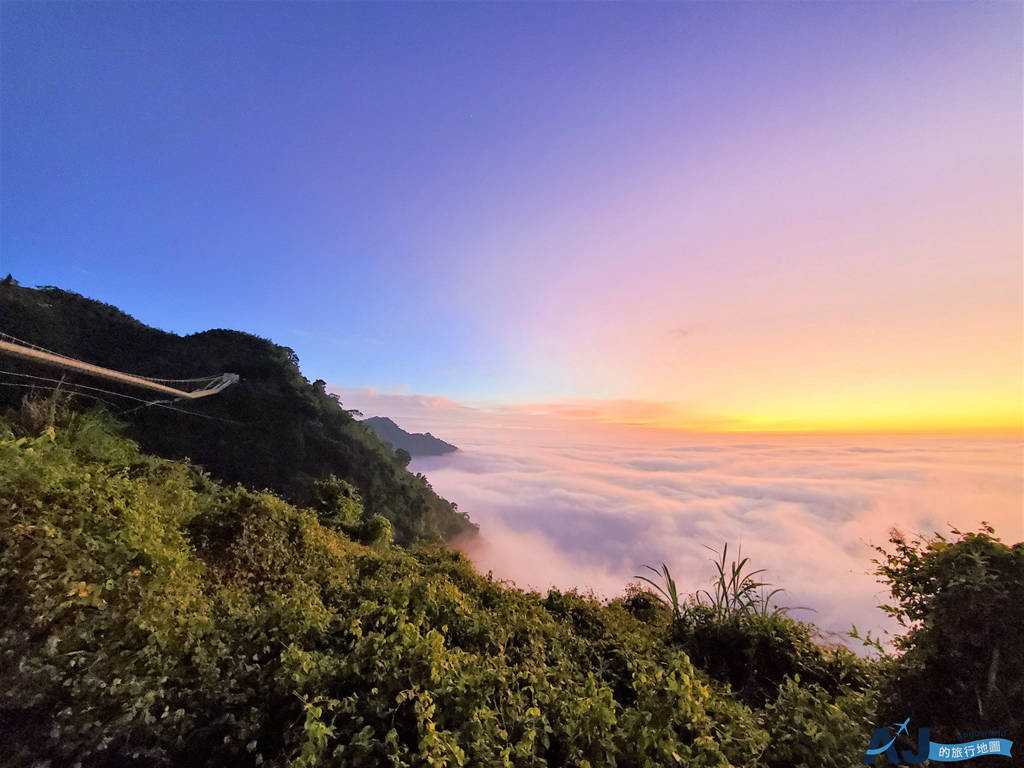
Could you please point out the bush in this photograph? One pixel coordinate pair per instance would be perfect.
(735, 634)
(150, 616)
(960, 662)
(755, 654)
(337, 503)
(813, 728)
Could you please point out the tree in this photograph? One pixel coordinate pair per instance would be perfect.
(337, 503)
(402, 457)
(962, 605)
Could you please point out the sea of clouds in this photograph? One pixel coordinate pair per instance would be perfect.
(562, 501)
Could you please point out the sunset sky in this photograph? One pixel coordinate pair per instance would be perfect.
(778, 216)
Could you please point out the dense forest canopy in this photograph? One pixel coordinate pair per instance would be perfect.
(272, 430)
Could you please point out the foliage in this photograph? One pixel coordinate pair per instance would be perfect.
(38, 414)
(149, 615)
(812, 728)
(153, 615)
(668, 593)
(402, 457)
(736, 591)
(735, 634)
(754, 654)
(273, 430)
(337, 503)
(960, 662)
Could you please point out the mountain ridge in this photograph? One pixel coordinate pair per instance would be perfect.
(272, 430)
(415, 443)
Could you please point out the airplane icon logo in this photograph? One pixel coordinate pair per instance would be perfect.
(883, 742)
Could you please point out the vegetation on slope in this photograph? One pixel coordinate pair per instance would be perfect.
(961, 660)
(149, 615)
(273, 430)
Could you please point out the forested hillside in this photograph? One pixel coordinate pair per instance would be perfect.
(273, 430)
(151, 616)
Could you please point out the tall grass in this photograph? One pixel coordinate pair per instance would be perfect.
(668, 593)
(37, 412)
(735, 590)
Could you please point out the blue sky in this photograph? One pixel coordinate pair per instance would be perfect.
(473, 199)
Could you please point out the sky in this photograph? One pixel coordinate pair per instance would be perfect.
(712, 217)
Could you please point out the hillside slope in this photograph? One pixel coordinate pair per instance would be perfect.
(151, 617)
(273, 430)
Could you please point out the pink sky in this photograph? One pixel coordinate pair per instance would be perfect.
(715, 216)
(851, 259)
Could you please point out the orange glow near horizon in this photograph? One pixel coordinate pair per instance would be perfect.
(994, 424)
(953, 424)
(928, 415)
(931, 413)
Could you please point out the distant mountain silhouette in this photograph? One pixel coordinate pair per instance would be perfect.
(415, 443)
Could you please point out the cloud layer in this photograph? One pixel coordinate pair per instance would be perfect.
(563, 502)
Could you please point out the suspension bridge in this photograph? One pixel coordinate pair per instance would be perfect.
(177, 389)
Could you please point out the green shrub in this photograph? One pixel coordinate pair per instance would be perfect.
(734, 633)
(337, 503)
(814, 728)
(960, 662)
(754, 654)
(151, 616)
